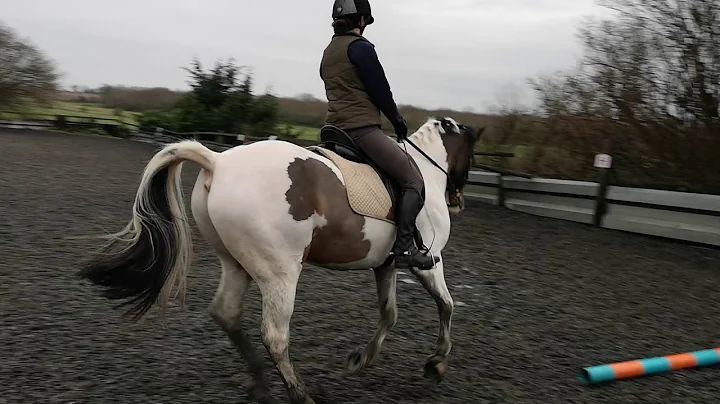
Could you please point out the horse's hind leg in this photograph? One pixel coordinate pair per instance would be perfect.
(278, 288)
(226, 309)
(433, 281)
(386, 282)
(227, 304)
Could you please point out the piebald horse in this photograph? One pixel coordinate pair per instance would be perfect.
(265, 209)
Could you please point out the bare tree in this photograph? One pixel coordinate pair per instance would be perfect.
(662, 58)
(25, 73)
(647, 89)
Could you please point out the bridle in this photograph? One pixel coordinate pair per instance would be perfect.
(452, 184)
(433, 162)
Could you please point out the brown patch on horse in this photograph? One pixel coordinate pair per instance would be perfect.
(315, 188)
(460, 151)
(391, 214)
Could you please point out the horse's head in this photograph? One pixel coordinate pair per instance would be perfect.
(459, 141)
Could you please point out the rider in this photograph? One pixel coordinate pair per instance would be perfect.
(357, 91)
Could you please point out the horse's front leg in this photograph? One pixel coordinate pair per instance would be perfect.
(434, 282)
(386, 282)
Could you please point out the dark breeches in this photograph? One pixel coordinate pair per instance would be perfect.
(384, 152)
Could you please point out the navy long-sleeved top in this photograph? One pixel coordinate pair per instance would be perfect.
(362, 54)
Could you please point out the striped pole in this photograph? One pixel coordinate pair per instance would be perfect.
(649, 366)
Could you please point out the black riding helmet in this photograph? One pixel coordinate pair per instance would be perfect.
(345, 8)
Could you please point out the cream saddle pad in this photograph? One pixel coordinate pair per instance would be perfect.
(365, 189)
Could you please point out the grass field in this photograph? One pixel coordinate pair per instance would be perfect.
(72, 109)
(88, 110)
(299, 131)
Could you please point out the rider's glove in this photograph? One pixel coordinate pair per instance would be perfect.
(401, 129)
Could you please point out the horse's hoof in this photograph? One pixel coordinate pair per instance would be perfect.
(265, 399)
(354, 362)
(259, 393)
(435, 369)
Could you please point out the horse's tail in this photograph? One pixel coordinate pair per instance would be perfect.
(146, 260)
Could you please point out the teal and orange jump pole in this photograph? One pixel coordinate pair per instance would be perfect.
(650, 366)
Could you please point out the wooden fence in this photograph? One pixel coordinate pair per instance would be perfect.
(111, 126)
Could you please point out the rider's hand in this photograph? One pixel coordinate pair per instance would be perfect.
(401, 129)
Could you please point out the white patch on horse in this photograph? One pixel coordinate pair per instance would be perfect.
(265, 211)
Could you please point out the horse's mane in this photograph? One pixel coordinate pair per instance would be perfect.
(427, 134)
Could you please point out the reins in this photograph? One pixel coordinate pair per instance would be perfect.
(433, 162)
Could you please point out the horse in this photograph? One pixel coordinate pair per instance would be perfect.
(268, 207)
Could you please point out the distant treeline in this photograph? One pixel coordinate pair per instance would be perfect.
(302, 110)
(138, 99)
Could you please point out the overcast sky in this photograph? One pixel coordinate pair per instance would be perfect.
(462, 54)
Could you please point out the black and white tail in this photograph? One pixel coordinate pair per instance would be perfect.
(150, 257)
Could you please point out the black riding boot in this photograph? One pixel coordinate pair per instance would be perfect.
(405, 252)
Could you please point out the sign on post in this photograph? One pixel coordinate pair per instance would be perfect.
(603, 161)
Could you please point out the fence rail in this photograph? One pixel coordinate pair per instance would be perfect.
(56, 118)
(675, 215)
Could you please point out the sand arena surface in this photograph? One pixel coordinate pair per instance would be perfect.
(537, 299)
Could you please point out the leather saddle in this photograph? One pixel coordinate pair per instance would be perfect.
(338, 141)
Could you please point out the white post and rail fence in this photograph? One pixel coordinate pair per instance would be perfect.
(683, 216)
